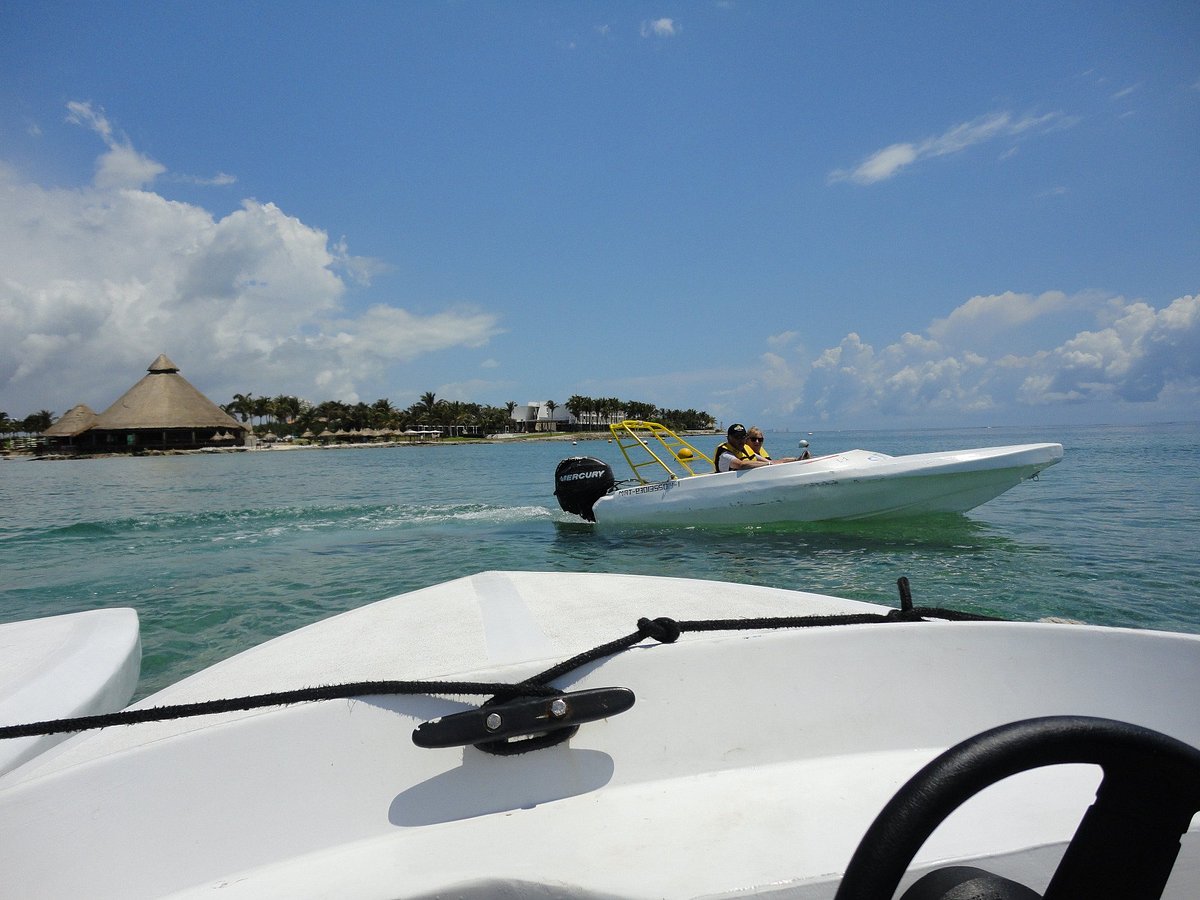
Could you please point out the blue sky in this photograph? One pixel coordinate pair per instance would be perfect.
(804, 215)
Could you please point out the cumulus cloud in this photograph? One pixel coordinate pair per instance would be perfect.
(783, 339)
(660, 28)
(1006, 358)
(959, 370)
(1133, 360)
(97, 281)
(888, 162)
(1002, 322)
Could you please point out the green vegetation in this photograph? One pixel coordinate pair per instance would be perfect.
(33, 424)
(286, 415)
(595, 413)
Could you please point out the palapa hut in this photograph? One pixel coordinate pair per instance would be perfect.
(66, 432)
(163, 411)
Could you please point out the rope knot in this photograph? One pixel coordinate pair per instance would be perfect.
(662, 629)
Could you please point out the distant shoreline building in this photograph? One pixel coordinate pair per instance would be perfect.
(163, 411)
(538, 416)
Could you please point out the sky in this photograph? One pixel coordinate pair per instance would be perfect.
(797, 214)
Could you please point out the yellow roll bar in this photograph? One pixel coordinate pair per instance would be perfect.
(638, 436)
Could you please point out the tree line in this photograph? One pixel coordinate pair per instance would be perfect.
(34, 423)
(597, 413)
(288, 415)
(284, 415)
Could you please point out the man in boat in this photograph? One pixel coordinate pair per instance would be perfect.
(754, 441)
(735, 453)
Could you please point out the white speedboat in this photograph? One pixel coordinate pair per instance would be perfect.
(61, 666)
(853, 485)
(750, 756)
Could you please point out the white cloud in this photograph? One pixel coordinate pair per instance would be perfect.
(985, 318)
(774, 372)
(1133, 360)
(121, 166)
(95, 282)
(221, 179)
(1006, 358)
(886, 163)
(1142, 358)
(782, 340)
(660, 28)
(881, 165)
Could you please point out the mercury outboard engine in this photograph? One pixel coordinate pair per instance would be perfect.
(579, 482)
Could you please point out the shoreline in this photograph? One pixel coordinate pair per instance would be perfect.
(278, 446)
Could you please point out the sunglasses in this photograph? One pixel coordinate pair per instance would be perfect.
(755, 440)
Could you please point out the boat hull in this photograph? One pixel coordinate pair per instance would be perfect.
(855, 485)
(56, 667)
(711, 785)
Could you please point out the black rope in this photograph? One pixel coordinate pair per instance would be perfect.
(664, 630)
(667, 631)
(276, 698)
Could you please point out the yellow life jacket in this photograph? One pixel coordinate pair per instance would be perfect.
(744, 453)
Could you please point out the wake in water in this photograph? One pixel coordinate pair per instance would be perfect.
(248, 524)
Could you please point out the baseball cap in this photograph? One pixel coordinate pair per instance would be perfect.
(737, 429)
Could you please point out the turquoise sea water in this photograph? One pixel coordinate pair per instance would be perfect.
(220, 552)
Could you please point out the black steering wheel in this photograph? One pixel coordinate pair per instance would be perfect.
(1125, 845)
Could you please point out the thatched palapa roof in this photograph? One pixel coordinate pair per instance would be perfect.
(74, 422)
(164, 399)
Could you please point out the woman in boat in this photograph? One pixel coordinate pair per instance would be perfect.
(735, 453)
(754, 442)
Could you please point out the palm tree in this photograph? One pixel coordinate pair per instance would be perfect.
(608, 406)
(242, 404)
(552, 406)
(261, 407)
(428, 402)
(577, 406)
(38, 422)
(285, 409)
(382, 413)
(637, 410)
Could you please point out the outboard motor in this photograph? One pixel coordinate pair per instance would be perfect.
(579, 482)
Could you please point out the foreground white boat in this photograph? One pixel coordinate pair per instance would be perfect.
(751, 761)
(60, 666)
(854, 485)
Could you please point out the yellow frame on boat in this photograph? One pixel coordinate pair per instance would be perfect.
(633, 434)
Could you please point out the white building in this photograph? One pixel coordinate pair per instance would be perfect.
(537, 416)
